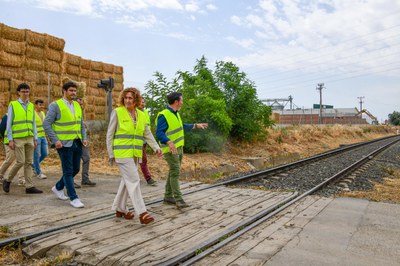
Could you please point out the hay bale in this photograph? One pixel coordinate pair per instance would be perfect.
(56, 92)
(10, 60)
(118, 87)
(96, 66)
(4, 86)
(94, 75)
(85, 73)
(53, 67)
(55, 79)
(55, 43)
(12, 47)
(15, 82)
(72, 70)
(36, 39)
(72, 59)
(54, 55)
(31, 75)
(118, 70)
(5, 100)
(11, 72)
(118, 78)
(85, 64)
(34, 64)
(35, 52)
(11, 33)
(108, 68)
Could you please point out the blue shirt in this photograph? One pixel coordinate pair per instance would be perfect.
(162, 127)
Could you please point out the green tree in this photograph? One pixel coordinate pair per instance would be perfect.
(394, 118)
(249, 115)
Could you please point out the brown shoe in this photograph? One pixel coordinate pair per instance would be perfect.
(128, 215)
(145, 218)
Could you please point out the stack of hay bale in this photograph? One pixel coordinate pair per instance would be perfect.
(39, 60)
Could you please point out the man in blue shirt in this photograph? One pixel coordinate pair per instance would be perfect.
(170, 134)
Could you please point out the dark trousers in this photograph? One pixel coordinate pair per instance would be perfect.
(70, 161)
(143, 164)
(85, 163)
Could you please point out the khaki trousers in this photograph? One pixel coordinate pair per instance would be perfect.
(10, 158)
(24, 148)
(129, 186)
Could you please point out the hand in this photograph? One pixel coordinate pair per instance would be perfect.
(202, 125)
(159, 153)
(85, 143)
(58, 144)
(35, 143)
(172, 147)
(11, 144)
(111, 161)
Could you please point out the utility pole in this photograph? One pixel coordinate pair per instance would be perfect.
(361, 102)
(320, 86)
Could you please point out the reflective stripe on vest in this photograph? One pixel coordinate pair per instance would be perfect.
(22, 124)
(128, 139)
(68, 127)
(175, 129)
(39, 124)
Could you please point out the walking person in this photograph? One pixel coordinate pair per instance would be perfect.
(126, 131)
(170, 133)
(21, 136)
(10, 154)
(42, 150)
(143, 164)
(85, 154)
(64, 126)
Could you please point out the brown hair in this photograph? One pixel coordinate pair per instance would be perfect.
(135, 94)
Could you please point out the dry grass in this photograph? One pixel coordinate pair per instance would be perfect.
(388, 191)
(14, 256)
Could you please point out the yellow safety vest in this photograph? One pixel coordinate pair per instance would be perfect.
(175, 129)
(69, 126)
(39, 124)
(128, 139)
(22, 124)
(146, 114)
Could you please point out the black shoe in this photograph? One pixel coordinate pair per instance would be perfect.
(169, 201)
(151, 182)
(6, 186)
(76, 185)
(33, 190)
(181, 204)
(88, 183)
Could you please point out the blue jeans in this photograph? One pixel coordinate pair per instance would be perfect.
(70, 162)
(41, 152)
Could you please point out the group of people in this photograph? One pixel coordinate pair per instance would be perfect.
(128, 134)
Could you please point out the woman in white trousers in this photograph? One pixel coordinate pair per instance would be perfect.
(125, 119)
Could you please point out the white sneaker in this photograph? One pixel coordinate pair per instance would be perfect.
(41, 176)
(77, 203)
(59, 193)
(21, 183)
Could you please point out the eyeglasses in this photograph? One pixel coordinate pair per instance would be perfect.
(24, 91)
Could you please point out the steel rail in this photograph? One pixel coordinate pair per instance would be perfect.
(211, 245)
(22, 239)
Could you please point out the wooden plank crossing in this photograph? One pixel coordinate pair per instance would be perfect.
(121, 241)
(258, 245)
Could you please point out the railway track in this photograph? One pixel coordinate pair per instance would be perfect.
(359, 152)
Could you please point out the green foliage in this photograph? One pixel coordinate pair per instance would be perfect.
(225, 99)
(394, 118)
(249, 115)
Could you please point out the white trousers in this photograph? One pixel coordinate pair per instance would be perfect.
(130, 185)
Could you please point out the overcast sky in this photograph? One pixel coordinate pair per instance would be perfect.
(286, 47)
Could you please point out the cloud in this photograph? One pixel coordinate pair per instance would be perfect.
(192, 7)
(135, 5)
(211, 7)
(245, 43)
(138, 22)
(81, 7)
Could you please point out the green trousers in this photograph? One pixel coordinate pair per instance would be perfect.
(172, 189)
